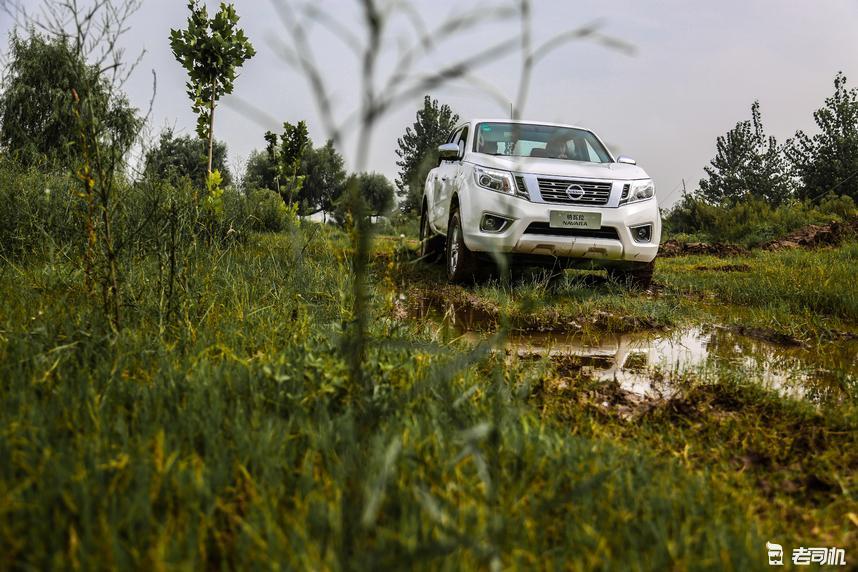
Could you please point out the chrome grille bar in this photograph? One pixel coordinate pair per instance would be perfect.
(583, 192)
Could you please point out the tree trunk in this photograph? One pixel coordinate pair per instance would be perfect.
(211, 126)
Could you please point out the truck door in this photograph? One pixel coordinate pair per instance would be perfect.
(446, 180)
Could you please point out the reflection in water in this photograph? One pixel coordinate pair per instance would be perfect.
(646, 363)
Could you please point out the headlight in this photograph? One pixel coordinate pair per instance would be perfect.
(640, 191)
(499, 181)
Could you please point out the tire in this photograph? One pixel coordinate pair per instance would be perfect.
(431, 244)
(460, 261)
(639, 277)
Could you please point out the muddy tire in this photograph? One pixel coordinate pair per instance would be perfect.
(431, 244)
(639, 278)
(460, 261)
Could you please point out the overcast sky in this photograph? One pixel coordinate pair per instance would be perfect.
(698, 67)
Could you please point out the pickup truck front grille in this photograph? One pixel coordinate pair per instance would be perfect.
(581, 193)
(544, 228)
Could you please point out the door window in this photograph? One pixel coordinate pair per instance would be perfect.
(462, 140)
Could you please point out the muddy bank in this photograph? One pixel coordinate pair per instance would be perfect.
(790, 450)
(811, 236)
(466, 312)
(673, 248)
(815, 236)
(646, 358)
(767, 335)
(792, 461)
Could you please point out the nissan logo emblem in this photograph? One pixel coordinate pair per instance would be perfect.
(574, 192)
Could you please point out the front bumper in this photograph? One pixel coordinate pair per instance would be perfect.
(476, 201)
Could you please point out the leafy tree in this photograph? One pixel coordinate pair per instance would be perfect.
(285, 154)
(211, 51)
(321, 172)
(828, 161)
(185, 156)
(63, 101)
(276, 166)
(39, 113)
(259, 172)
(324, 178)
(418, 150)
(294, 141)
(747, 165)
(377, 191)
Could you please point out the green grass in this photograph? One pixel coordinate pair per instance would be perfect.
(229, 436)
(227, 433)
(804, 294)
(809, 293)
(790, 463)
(751, 222)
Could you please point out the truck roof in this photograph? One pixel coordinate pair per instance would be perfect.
(524, 121)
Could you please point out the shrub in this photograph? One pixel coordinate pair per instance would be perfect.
(751, 222)
(842, 206)
(37, 210)
(405, 223)
(266, 211)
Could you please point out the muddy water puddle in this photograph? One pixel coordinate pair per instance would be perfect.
(652, 364)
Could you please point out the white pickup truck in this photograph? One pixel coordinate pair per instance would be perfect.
(538, 193)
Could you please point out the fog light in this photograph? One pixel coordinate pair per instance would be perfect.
(493, 223)
(642, 233)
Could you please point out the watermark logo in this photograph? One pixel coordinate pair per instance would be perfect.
(802, 556)
(776, 554)
(823, 556)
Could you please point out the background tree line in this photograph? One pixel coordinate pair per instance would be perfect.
(71, 184)
(37, 129)
(756, 188)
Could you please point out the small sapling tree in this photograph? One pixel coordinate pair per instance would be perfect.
(285, 153)
(212, 51)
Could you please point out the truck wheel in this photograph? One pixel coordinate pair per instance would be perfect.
(431, 244)
(461, 262)
(639, 277)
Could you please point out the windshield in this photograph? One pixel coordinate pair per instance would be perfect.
(526, 140)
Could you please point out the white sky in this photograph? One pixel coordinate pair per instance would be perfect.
(698, 67)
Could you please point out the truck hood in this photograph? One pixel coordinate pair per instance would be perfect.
(559, 167)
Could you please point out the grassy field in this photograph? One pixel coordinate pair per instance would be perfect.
(226, 431)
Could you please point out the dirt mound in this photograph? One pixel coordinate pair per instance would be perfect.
(816, 235)
(672, 248)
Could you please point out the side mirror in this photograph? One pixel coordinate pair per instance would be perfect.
(448, 152)
(626, 160)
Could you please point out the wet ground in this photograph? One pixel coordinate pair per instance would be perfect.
(653, 363)
(648, 364)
